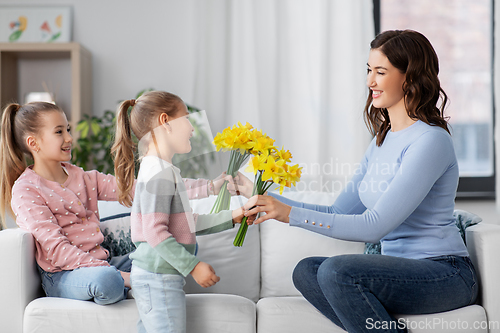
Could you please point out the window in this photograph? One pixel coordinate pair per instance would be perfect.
(462, 34)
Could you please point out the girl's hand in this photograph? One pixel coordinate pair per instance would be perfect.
(273, 208)
(219, 181)
(126, 279)
(238, 215)
(240, 185)
(204, 275)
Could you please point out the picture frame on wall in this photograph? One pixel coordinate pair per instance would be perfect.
(41, 24)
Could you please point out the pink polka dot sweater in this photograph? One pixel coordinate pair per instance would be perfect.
(64, 218)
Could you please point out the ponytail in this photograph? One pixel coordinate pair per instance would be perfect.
(142, 120)
(123, 152)
(12, 161)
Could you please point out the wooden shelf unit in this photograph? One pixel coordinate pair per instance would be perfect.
(81, 73)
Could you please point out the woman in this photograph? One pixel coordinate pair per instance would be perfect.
(425, 266)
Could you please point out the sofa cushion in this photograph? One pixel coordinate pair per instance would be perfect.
(220, 314)
(295, 314)
(291, 314)
(282, 247)
(465, 219)
(116, 231)
(205, 313)
(470, 319)
(54, 315)
(238, 267)
(115, 226)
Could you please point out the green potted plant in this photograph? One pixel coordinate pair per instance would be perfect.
(96, 135)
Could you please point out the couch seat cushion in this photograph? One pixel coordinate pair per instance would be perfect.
(295, 314)
(471, 319)
(291, 314)
(208, 313)
(54, 315)
(216, 313)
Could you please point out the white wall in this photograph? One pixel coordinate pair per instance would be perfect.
(134, 45)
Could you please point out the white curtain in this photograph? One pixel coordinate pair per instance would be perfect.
(295, 69)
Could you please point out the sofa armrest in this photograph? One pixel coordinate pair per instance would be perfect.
(483, 243)
(19, 280)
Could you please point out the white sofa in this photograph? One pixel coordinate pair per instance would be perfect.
(255, 294)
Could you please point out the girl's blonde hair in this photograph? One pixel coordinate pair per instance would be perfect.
(18, 122)
(143, 118)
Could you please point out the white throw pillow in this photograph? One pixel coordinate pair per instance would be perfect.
(238, 267)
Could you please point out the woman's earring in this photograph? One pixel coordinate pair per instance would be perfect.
(169, 129)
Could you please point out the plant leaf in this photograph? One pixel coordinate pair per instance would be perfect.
(81, 125)
(96, 128)
(84, 131)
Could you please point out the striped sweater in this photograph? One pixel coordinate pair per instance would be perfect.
(162, 225)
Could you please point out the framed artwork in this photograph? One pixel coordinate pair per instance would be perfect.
(42, 24)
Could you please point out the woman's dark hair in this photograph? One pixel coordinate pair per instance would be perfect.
(411, 53)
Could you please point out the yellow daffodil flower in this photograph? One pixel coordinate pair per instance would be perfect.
(256, 163)
(284, 154)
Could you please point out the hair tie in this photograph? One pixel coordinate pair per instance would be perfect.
(132, 102)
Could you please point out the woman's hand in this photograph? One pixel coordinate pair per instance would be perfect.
(238, 215)
(273, 208)
(240, 185)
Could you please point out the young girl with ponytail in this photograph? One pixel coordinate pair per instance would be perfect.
(163, 227)
(57, 203)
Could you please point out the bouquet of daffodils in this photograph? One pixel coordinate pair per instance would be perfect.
(239, 140)
(269, 164)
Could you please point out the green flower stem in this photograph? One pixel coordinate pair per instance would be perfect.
(242, 231)
(223, 201)
(260, 187)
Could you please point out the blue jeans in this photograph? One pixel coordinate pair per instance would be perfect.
(360, 291)
(160, 300)
(103, 284)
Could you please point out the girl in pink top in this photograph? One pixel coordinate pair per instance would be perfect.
(57, 203)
